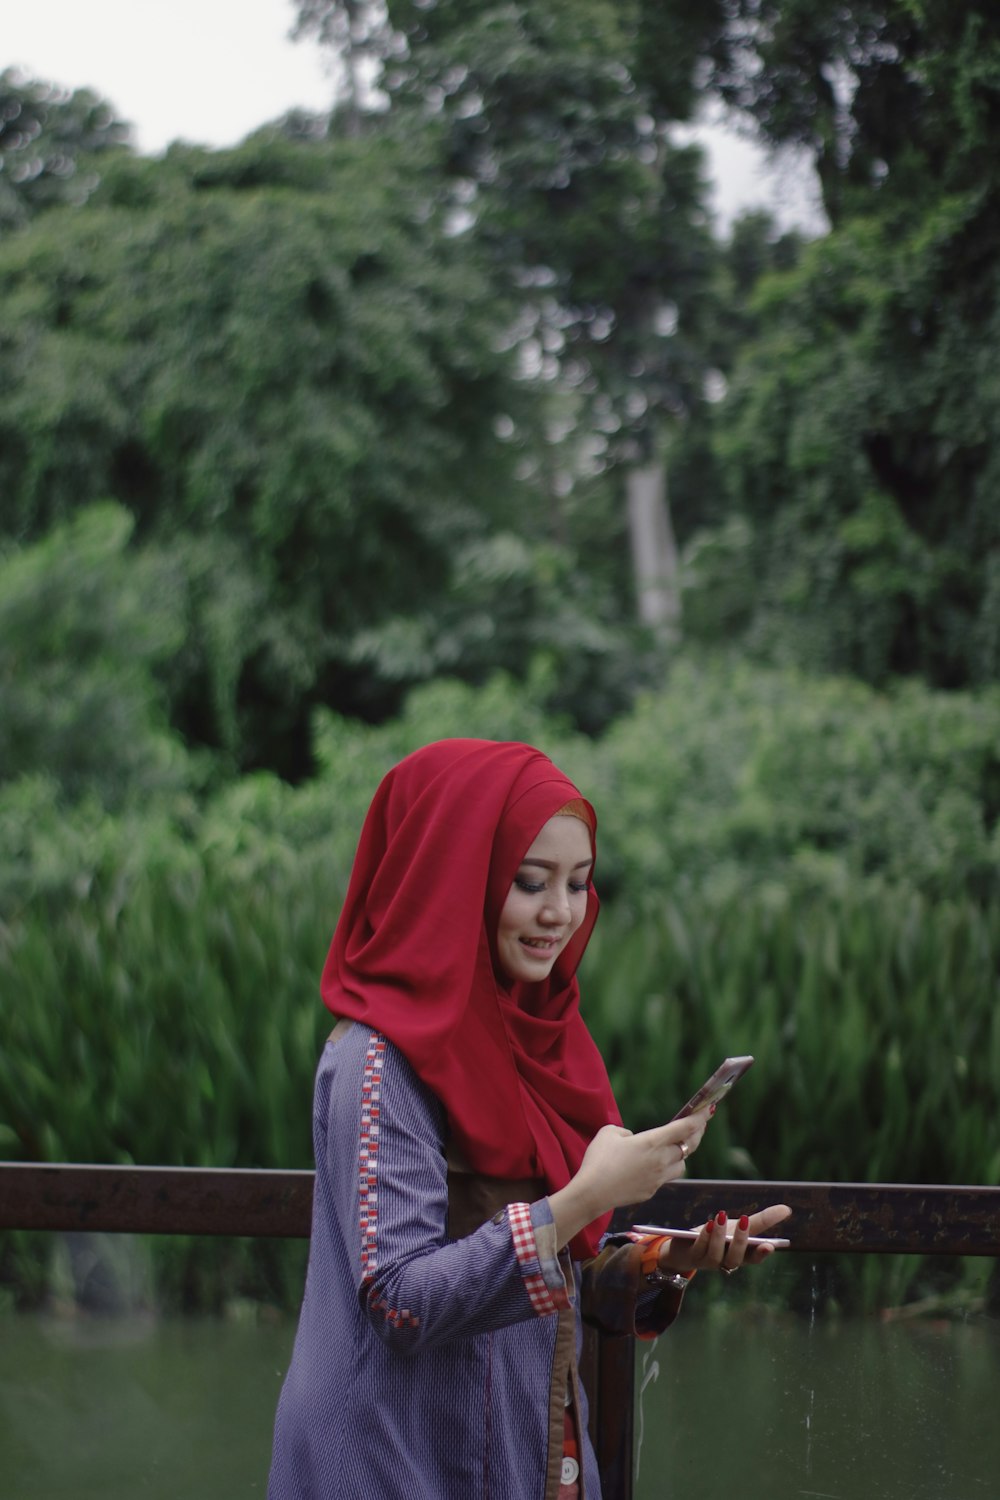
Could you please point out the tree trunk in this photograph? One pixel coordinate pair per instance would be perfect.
(654, 550)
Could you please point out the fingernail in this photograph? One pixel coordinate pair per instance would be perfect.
(711, 1109)
(710, 1225)
(744, 1222)
(720, 1217)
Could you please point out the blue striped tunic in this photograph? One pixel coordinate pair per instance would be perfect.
(427, 1366)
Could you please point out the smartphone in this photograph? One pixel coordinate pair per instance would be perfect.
(716, 1087)
(692, 1234)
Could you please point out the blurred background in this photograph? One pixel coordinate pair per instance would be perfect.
(618, 377)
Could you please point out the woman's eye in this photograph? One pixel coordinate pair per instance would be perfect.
(535, 887)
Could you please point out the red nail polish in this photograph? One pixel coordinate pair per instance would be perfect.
(710, 1225)
(744, 1222)
(711, 1110)
(720, 1217)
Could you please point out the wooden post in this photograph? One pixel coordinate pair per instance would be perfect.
(607, 1370)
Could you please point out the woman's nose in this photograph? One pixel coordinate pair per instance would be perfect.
(556, 910)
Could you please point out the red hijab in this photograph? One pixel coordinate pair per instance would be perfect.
(512, 1062)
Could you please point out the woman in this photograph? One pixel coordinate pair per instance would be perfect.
(469, 1153)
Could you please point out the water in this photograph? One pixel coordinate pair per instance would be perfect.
(763, 1404)
(825, 1411)
(123, 1408)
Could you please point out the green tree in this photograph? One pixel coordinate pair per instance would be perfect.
(897, 99)
(83, 625)
(53, 143)
(289, 367)
(858, 443)
(699, 493)
(858, 448)
(558, 153)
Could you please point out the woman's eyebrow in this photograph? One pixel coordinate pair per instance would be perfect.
(551, 864)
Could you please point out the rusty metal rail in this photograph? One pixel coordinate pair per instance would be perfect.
(858, 1218)
(156, 1200)
(887, 1218)
(853, 1218)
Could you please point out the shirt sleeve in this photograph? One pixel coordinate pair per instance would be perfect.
(416, 1286)
(615, 1299)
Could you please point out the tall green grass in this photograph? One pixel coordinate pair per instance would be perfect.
(176, 1021)
(874, 1019)
(174, 1018)
(875, 1022)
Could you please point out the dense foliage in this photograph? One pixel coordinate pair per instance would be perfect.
(560, 150)
(53, 146)
(314, 450)
(859, 449)
(897, 99)
(290, 371)
(859, 443)
(843, 940)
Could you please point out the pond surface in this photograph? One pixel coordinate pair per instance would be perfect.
(830, 1411)
(769, 1406)
(123, 1408)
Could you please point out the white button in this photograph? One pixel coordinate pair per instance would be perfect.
(570, 1471)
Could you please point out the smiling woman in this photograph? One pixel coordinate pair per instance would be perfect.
(547, 900)
(469, 1153)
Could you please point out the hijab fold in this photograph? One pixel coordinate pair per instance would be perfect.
(414, 957)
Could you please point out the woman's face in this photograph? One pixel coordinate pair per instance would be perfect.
(547, 901)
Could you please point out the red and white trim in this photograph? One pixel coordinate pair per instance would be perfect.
(526, 1249)
(371, 1089)
(371, 1105)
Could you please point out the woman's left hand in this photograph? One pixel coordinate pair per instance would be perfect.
(712, 1251)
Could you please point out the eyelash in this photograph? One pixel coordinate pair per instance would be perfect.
(533, 888)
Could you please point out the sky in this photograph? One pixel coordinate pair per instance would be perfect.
(210, 71)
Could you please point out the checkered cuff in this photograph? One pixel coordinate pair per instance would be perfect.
(545, 1296)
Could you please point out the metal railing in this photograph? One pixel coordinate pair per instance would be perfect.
(853, 1218)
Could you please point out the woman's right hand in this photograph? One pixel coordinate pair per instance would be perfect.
(620, 1167)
